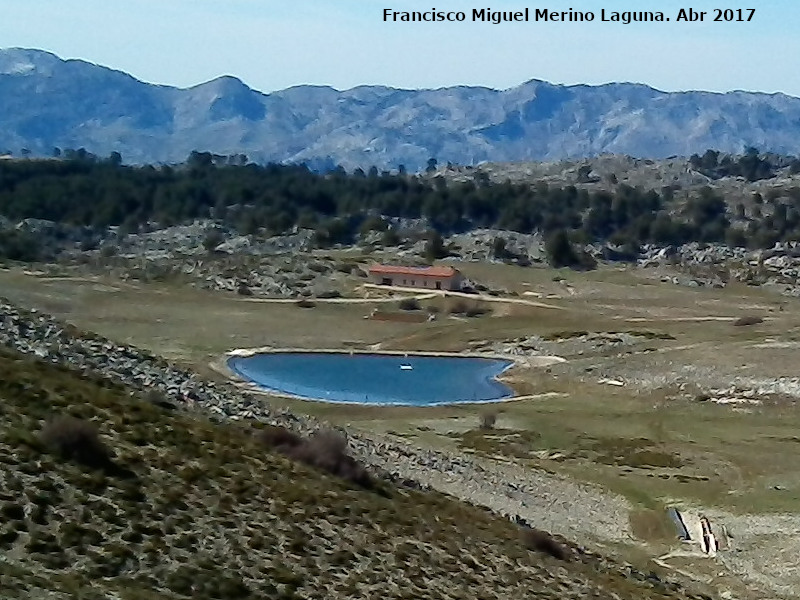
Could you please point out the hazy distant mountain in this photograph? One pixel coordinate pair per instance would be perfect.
(46, 102)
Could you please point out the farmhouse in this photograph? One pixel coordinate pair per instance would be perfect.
(432, 278)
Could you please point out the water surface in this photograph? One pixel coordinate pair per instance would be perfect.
(376, 378)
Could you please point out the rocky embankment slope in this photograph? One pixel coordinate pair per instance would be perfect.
(582, 513)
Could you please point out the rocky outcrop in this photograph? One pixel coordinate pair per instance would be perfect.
(714, 264)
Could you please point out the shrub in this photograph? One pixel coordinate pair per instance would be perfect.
(181, 580)
(435, 247)
(231, 586)
(318, 267)
(12, 512)
(476, 310)
(346, 267)
(109, 250)
(324, 450)
(559, 250)
(541, 541)
(157, 398)
(278, 438)
(408, 304)
(20, 245)
(748, 320)
(43, 542)
(458, 307)
(488, 419)
(499, 249)
(212, 239)
(75, 439)
(8, 536)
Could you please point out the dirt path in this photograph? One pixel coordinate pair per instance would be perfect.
(425, 296)
(478, 297)
(413, 293)
(678, 319)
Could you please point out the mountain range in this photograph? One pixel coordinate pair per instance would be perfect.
(47, 102)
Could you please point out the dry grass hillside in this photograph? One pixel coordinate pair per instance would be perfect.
(104, 493)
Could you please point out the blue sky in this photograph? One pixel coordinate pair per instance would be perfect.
(274, 44)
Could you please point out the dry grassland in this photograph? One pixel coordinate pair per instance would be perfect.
(657, 439)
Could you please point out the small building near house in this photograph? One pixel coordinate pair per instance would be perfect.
(430, 278)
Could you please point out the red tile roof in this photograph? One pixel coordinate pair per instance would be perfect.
(418, 271)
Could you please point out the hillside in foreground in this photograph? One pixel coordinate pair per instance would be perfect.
(184, 507)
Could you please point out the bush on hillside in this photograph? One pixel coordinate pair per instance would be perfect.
(488, 420)
(212, 239)
(327, 451)
(278, 438)
(562, 253)
(21, 246)
(559, 250)
(75, 439)
(541, 541)
(324, 450)
(158, 398)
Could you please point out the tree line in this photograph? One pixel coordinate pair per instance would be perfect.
(273, 199)
(751, 166)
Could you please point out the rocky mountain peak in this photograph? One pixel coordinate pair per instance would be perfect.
(47, 102)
